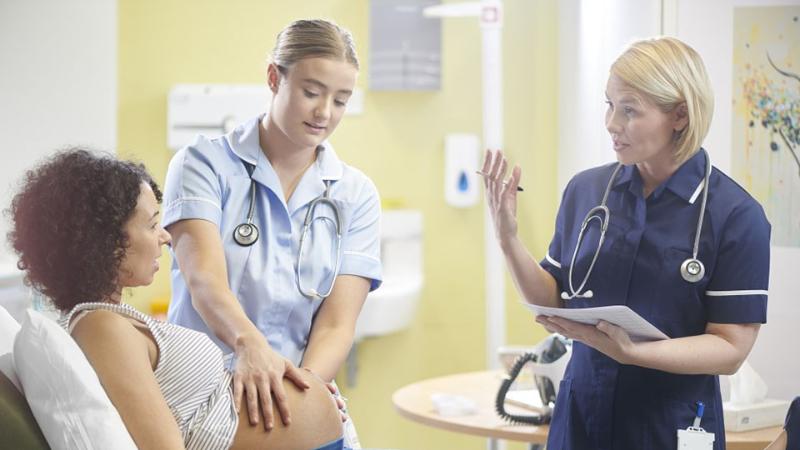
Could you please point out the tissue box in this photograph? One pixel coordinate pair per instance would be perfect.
(762, 414)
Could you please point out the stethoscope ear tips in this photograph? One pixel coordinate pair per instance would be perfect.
(586, 294)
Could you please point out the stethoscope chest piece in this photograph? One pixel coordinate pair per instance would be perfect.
(692, 270)
(245, 234)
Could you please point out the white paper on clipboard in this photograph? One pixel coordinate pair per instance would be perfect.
(620, 315)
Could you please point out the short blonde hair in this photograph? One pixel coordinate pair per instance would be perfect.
(310, 39)
(671, 73)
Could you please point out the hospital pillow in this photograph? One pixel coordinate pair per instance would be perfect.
(8, 330)
(63, 390)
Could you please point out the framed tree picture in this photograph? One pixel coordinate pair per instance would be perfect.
(766, 113)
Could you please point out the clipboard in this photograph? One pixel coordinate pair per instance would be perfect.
(620, 315)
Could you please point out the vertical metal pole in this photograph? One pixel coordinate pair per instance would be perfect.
(491, 21)
(490, 15)
(491, 27)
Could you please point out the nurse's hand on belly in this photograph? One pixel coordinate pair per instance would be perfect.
(604, 337)
(258, 375)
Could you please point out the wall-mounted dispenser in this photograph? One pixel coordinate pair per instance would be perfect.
(211, 109)
(405, 48)
(461, 156)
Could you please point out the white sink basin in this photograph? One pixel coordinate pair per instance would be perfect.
(390, 308)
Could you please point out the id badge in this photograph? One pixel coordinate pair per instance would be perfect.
(694, 438)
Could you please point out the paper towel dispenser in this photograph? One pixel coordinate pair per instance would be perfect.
(211, 109)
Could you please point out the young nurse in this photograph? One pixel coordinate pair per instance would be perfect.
(283, 297)
(619, 394)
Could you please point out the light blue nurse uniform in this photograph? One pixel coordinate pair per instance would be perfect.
(208, 180)
(604, 405)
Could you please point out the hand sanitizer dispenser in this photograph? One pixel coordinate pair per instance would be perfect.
(461, 162)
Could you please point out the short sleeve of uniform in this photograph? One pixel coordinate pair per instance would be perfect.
(554, 258)
(361, 245)
(737, 291)
(192, 189)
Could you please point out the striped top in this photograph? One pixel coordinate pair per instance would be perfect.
(191, 372)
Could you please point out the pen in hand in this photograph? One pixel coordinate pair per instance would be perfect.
(519, 188)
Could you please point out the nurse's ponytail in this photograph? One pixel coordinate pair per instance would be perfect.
(312, 39)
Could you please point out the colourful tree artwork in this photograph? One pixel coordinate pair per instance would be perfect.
(766, 118)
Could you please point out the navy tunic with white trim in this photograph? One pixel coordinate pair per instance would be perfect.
(606, 405)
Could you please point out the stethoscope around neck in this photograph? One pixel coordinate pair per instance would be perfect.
(692, 269)
(246, 234)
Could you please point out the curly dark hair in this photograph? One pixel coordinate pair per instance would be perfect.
(67, 224)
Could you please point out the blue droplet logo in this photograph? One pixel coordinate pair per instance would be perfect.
(463, 182)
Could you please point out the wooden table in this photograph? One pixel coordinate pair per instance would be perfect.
(414, 402)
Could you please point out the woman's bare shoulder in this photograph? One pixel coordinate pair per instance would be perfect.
(102, 328)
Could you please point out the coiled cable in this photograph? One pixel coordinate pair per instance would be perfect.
(536, 419)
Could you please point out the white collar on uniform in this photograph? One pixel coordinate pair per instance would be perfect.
(328, 164)
(244, 143)
(327, 168)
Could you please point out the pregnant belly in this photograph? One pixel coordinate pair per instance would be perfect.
(315, 421)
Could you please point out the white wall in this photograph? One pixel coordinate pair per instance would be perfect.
(592, 33)
(688, 20)
(58, 85)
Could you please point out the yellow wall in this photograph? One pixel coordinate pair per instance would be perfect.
(398, 141)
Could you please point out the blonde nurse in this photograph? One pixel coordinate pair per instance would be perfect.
(236, 207)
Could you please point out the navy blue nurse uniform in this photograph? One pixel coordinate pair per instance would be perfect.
(606, 405)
